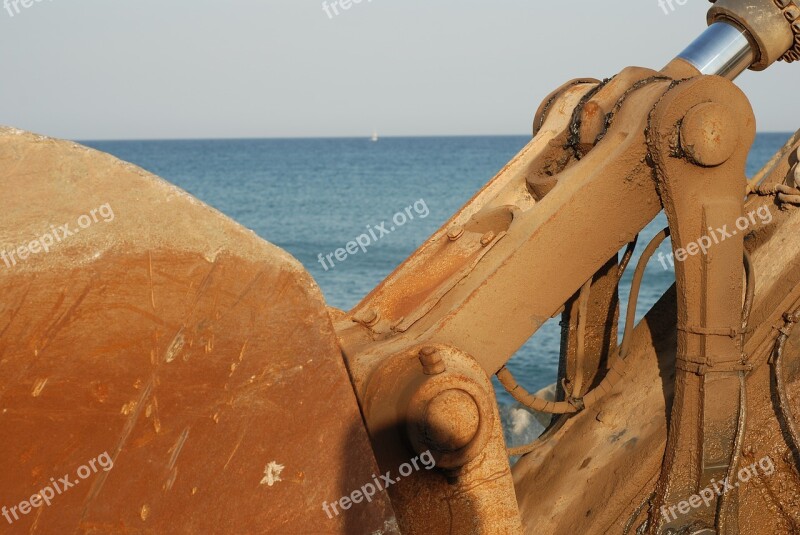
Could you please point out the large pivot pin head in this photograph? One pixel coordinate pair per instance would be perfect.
(709, 134)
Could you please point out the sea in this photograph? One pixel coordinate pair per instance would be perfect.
(312, 197)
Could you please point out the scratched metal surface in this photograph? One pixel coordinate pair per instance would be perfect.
(193, 363)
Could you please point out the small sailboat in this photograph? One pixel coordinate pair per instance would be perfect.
(374, 136)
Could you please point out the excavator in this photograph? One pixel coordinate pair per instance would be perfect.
(171, 372)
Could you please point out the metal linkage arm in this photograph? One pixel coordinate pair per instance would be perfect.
(420, 346)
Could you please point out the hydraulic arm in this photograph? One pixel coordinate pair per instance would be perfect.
(542, 237)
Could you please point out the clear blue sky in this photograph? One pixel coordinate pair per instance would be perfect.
(100, 69)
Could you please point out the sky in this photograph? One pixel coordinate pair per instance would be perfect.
(147, 69)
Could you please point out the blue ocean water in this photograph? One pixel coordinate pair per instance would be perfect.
(313, 196)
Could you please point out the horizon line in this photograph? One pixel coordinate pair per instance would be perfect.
(316, 138)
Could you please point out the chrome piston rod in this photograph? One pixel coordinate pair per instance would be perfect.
(722, 49)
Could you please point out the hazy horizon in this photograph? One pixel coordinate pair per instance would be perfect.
(150, 70)
(311, 138)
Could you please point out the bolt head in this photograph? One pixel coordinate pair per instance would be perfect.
(427, 351)
(487, 238)
(709, 134)
(431, 361)
(455, 233)
(369, 317)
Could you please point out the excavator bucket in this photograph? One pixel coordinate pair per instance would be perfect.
(162, 369)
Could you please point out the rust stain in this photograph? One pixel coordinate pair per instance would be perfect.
(99, 392)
